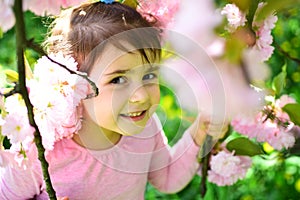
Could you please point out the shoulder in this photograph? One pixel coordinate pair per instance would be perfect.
(65, 149)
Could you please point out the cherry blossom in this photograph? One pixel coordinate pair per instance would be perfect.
(49, 7)
(283, 100)
(10, 158)
(227, 169)
(262, 28)
(55, 94)
(234, 16)
(7, 18)
(41, 8)
(264, 38)
(17, 128)
(196, 21)
(268, 130)
(50, 108)
(15, 125)
(159, 12)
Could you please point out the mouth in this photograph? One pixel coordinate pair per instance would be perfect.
(135, 116)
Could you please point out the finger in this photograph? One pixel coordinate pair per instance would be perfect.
(63, 198)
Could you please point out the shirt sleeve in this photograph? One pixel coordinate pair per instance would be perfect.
(19, 179)
(173, 168)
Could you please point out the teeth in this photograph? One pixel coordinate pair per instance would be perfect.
(134, 114)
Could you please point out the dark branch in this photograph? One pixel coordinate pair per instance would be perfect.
(15, 90)
(20, 46)
(204, 155)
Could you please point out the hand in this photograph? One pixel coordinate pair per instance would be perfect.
(203, 127)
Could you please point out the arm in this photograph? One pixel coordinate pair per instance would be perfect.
(18, 180)
(173, 168)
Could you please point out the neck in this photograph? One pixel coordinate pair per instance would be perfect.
(93, 137)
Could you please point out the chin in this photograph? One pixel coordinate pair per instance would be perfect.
(130, 131)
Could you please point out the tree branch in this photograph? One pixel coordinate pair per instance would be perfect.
(20, 46)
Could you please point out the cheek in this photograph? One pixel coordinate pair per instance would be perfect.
(154, 93)
(99, 106)
(110, 103)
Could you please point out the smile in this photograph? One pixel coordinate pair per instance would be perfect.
(135, 116)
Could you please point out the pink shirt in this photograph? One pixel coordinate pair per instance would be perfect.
(120, 172)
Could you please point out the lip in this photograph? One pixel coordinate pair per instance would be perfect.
(135, 118)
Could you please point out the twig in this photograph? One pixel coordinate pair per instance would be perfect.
(37, 48)
(12, 92)
(204, 155)
(20, 46)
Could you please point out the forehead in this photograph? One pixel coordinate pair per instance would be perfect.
(113, 58)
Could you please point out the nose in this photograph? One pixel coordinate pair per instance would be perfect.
(139, 95)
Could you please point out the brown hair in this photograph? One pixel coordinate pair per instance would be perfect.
(77, 31)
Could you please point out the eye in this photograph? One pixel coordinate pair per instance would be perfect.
(118, 80)
(149, 76)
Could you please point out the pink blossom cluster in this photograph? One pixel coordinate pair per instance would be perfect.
(159, 12)
(45, 7)
(262, 28)
(263, 34)
(201, 78)
(266, 129)
(227, 168)
(55, 94)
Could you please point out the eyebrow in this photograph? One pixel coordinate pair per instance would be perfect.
(150, 69)
(118, 72)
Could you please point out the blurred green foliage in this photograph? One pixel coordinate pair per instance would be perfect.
(272, 176)
(287, 49)
(36, 28)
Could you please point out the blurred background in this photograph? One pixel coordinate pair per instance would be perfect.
(275, 175)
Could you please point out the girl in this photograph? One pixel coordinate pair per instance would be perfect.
(121, 144)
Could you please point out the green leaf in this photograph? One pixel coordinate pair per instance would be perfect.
(293, 110)
(244, 147)
(243, 5)
(274, 6)
(28, 71)
(253, 5)
(11, 75)
(279, 82)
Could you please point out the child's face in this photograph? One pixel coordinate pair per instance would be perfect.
(128, 92)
